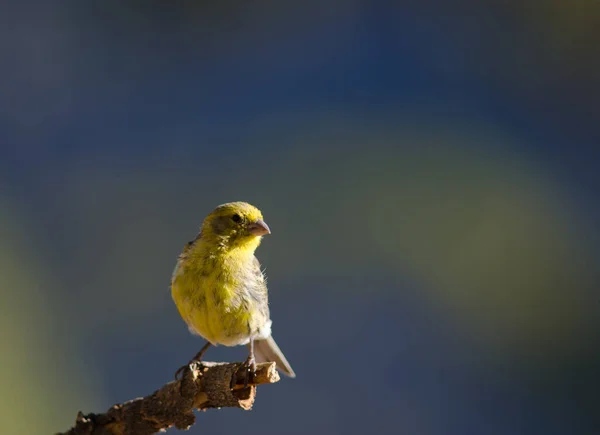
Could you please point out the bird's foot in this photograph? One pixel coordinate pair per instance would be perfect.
(196, 360)
(181, 370)
(248, 368)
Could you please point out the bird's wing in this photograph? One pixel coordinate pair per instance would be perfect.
(265, 348)
(257, 287)
(183, 255)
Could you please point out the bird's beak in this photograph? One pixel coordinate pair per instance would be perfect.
(259, 228)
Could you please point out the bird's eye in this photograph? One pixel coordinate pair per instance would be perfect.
(236, 218)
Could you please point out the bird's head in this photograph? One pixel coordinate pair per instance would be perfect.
(235, 225)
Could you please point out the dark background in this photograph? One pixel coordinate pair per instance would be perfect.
(430, 172)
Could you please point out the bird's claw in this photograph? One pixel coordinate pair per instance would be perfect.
(196, 360)
(181, 370)
(249, 368)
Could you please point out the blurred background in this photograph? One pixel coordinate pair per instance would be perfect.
(430, 172)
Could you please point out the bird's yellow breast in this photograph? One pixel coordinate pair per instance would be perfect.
(206, 290)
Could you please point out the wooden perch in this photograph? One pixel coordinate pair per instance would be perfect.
(203, 386)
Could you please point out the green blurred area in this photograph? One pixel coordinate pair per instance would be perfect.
(41, 386)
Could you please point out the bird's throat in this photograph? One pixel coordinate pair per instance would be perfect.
(227, 250)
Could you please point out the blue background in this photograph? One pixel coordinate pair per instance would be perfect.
(430, 172)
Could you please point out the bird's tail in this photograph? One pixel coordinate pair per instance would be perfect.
(267, 351)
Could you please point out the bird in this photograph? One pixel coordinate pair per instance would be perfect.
(220, 289)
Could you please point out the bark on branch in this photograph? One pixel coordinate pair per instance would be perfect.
(203, 386)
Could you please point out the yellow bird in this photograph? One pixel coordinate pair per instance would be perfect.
(220, 290)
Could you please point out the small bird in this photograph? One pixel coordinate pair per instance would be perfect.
(220, 290)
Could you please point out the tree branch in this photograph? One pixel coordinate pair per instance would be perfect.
(203, 386)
